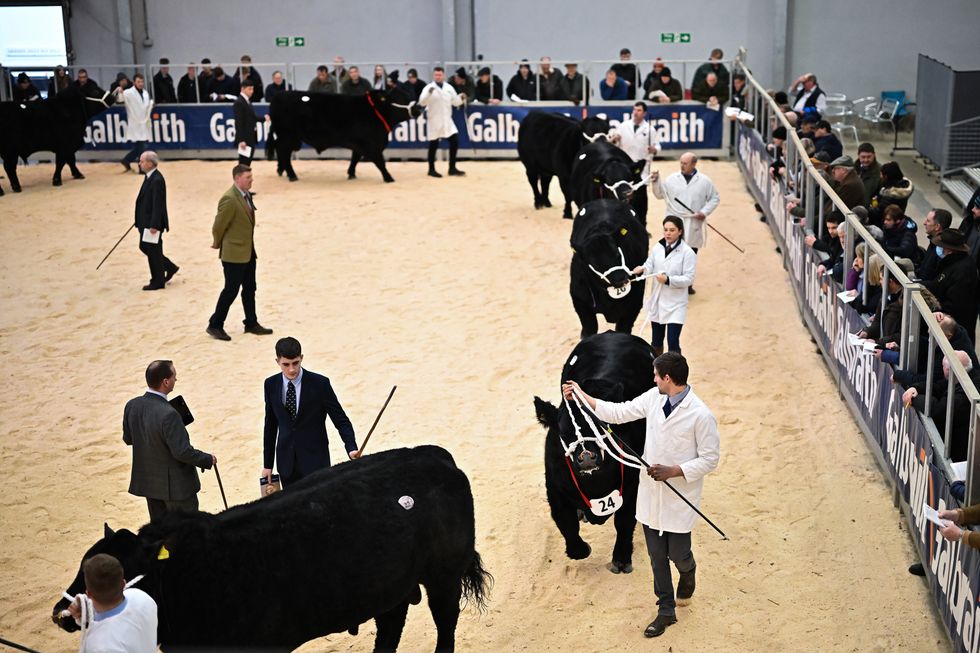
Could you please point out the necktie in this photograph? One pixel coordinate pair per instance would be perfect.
(291, 399)
(251, 207)
(668, 407)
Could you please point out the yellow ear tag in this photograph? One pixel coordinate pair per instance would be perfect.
(623, 231)
(164, 553)
(573, 251)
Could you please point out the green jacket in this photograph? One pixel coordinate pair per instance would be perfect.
(871, 178)
(234, 228)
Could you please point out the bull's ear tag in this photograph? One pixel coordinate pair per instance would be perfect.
(406, 502)
(582, 212)
(623, 231)
(581, 156)
(634, 215)
(164, 553)
(597, 180)
(305, 98)
(572, 362)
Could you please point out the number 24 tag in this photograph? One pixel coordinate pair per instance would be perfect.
(607, 505)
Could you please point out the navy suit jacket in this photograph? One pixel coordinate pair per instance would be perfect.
(301, 444)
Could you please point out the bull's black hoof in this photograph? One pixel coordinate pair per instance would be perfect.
(16, 189)
(353, 630)
(578, 551)
(389, 179)
(351, 175)
(617, 567)
(55, 182)
(538, 204)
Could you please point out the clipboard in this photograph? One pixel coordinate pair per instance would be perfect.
(181, 407)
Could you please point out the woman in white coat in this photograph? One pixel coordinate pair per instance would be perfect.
(439, 98)
(672, 263)
(139, 107)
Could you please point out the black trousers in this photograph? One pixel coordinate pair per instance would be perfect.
(453, 150)
(159, 264)
(134, 154)
(238, 276)
(639, 203)
(158, 507)
(664, 548)
(673, 333)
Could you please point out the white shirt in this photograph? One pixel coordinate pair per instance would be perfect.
(635, 139)
(130, 627)
(699, 195)
(156, 392)
(689, 438)
(147, 174)
(298, 383)
(821, 104)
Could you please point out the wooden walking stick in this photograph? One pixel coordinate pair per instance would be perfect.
(376, 420)
(115, 246)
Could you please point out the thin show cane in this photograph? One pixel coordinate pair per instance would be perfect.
(626, 447)
(221, 485)
(376, 420)
(116, 245)
(709, 225)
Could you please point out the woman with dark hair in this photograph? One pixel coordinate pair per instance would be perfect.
(671, 264)
(59, 82)
(895, 189)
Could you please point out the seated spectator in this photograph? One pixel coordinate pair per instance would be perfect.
(413, 82)
(806, 126)
(626, 71)
(825, 139)
(958, 339)
(489, 91)
(522, 86)
(163, 84)
(775, 150)
(809, 97)
(849, 187)
(59, 81)
(574, 87)
(871, 278)
(854, 279)
(713, 65)
(665, 89)
(355, 84)
(899, 233)
(380, 80)
(85, 83)
(205, 79)
(122, 83)
(828, 245)
(324, 82)
(937, 220)
(710, 91)
(548, 81)
(795, 205)
(339, 72)
(862, 215)
(24, 90)
(246, 71)
(393, 82)
(955, 285)
(187, 92)
(612, 87)
(463, 84)
(780, 98)
(895, 189)
(869, 171)
(960, 429)
(738, 94)
(223, 88)
(277, 86)
(653, 76)
(886, 325)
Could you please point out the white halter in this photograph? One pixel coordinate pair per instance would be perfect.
(622, 266)
(406, 107)
(101, 99)
(633, 186)
(595, 137)
(602, 437)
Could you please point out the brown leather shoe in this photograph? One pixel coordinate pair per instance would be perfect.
(659, 625)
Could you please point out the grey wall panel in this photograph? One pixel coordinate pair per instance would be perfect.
(935, 85)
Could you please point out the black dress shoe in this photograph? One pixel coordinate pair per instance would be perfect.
(218, 333)
(917, 569)
(151, 286)
(691, 290)
(258, 330)
(126, 166)
(685, 587)
(433, 173)
(456, 172)
(659, 625)
(169, 274)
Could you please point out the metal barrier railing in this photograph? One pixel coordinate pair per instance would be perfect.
(962, 146)
(817, 194)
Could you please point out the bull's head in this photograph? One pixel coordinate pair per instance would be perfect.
(604, 254)
(95, 100)
(594, 125)
(619, 178)
(123, 545)
(400, 103)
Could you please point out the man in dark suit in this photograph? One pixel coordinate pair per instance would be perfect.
(152, 221)
(163, 458)
(297, 404)
(234, 234)
(245, 121)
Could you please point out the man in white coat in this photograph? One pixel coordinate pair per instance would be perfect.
(681, 445)
(439, 98)
(639, 140)
(688, 194)
(138, 109)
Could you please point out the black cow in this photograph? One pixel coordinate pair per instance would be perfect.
(602, 170)
(607, 243)
(350, 543)
(56, 124)
(360, 123)
(615, 367)
(547, 144)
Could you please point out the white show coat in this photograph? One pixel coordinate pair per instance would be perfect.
(689, 438)
(439, 103)
(138, 111)
(667, 304)
(635, 141)
(699, 195)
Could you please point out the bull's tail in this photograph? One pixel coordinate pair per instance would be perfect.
(270, 143)
(477, 582)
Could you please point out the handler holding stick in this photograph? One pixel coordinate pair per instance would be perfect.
(682, 444)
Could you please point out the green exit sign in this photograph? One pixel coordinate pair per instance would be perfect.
(286, 41)
(675, 37)
(299, 41)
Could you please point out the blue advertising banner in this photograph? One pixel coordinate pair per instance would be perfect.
(212, 126)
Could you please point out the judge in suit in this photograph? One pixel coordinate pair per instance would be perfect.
(245, 121)
(297, 404)
(233, 233)
(163, 458)
(151, 215)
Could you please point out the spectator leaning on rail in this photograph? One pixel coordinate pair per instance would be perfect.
(955, 285)
(413, 82)
(163, 84)
(829, 245)
(895, 189)
(826, 141)
(937, 220)
(869, 171)
(355, 84)
(522, 86)
(224, 88)
(612, 87)
(463, 83)
(122, 83)
(710, 91)
(960, 430)
(849, 187)
(666, 88)
(84, 83)
(24, 90)
(653, 76)
(886, 325)
(487, 91)
(59, 81)
(626, 71)
(548, 81)
(187, 86)
(574, 87)
(323, 82)
(809, 97)
(900, 240)
(205, 80)
(713, 65)
(246, 71)
(277, 86)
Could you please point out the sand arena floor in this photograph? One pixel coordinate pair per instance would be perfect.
(456, 290)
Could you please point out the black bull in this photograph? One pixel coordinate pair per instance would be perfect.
(341, 547)
(547, 144)
(56, 124)
(615, 367)
(602, 170)
(359, 123)
(606, 234)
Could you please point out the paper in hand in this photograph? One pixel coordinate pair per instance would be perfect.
(846, 296)
(854, 341)
(932, 515)
(244, 150)
(150, 237)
